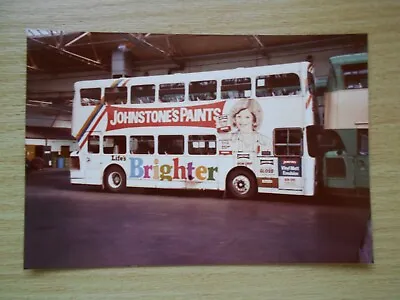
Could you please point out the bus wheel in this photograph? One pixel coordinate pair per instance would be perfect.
(241, 184)
(115, 180)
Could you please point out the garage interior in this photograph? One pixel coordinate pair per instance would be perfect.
(56, 59)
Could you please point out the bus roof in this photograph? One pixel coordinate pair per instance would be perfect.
(246, 71)
(349, 58)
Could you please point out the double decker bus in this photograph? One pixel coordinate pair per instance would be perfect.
(346, 163)
(243, 131)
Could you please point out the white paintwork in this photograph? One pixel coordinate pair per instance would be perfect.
(278, 112)
(346, 109)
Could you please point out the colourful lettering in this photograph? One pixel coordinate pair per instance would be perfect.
(176, 170)
(211, 171)
(200, 171)
(156, 170)
(136, 167)
(147, 168)
(164, 172)
(190, 170)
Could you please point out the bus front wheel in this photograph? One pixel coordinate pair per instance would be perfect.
(115, 180)
(241, 184)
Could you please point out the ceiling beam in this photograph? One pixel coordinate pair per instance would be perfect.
(70, 54)
(167, 54)
(77, 39)
(260, 44)
(142, 40)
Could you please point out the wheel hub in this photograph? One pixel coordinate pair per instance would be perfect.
(114, 180)
(242, 184)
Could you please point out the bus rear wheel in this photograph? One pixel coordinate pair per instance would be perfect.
(115, 180)
(241, 184)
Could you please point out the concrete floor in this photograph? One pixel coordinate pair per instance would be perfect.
(74, 226)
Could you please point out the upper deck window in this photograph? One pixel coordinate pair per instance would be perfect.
(278, 85)
(236, 88)
(355, 76)
(203, 90)
(143, 93)
(172, 92)
(116, 95)
(90, 96)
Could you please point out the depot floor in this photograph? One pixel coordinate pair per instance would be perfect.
(73, 226)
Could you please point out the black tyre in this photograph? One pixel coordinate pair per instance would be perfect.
(241, 184)
(115, 180)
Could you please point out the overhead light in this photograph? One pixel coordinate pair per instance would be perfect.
(124, 47)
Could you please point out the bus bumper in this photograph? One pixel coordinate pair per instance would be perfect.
(76, 177)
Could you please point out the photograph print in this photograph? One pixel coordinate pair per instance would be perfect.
(149, 149)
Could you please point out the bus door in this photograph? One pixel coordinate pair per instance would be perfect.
(91, 159)
(338, 162)
(339, 170)
(362, 160)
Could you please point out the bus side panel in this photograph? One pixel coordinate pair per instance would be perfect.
(309, 175)
(173, 172)
(189, 172)
(346, 109)
(338, 170)
(225, 164)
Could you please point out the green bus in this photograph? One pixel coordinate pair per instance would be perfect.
(344, 144)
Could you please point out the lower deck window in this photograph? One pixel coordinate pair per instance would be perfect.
(141, 144)
(114, 145)
(170, 144)
(362, 137)
(202, 145)
(94, 144)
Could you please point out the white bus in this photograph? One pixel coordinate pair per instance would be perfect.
(241, 131)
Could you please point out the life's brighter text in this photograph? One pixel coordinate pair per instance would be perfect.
(170, 171)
